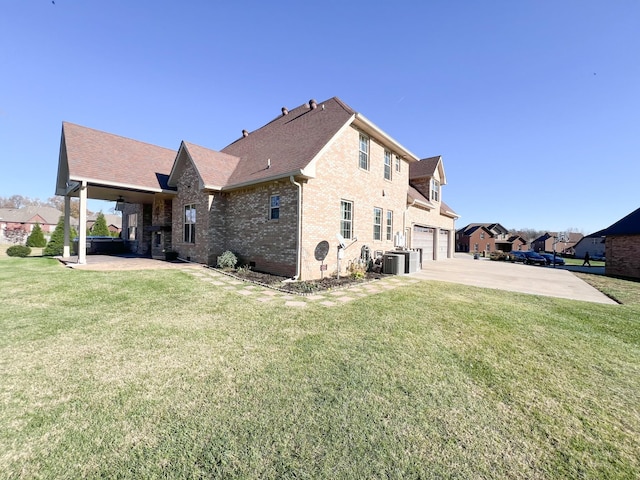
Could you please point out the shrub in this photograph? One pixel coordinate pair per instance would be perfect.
(227, 260)
(357, 270)
(36, 238)
(18, 251)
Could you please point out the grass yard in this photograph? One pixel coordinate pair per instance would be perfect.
(158, 374)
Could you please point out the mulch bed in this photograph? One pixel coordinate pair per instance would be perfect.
(306, 287)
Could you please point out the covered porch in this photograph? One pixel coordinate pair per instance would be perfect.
(102, 166)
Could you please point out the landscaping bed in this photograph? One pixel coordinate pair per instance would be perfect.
(303, 287)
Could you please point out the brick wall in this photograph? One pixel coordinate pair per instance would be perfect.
(249, 232)
(623, 256)
(338, 177)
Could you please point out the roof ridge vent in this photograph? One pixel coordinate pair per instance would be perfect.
(245, 133)
(285, 111)
(313, 104)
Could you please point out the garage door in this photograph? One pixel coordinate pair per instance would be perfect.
(443, 244)
(423, 239)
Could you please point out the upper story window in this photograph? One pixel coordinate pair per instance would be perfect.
(190, 223)
(387, 165)
(377, 223)
(346, 219)
(132, 226)
(274, 207)
(435, 190)
(364, 152)
(389, 225)
(482, 235)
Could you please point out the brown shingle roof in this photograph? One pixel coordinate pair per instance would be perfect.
(114, 160)
(424, 168)
(289, 141)
(215, 168)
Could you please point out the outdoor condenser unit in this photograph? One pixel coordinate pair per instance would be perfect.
(392, 264)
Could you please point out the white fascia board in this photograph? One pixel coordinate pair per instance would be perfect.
(368, 127)
(298, 173)
(126, 186)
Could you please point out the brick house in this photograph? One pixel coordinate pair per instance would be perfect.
(544, 243)
(622, 246)
(277, 197)
(487, 237)
(24, 219)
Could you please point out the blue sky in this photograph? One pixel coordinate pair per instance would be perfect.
(533, 104)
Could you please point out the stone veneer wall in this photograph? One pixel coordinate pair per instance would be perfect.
(190, 192)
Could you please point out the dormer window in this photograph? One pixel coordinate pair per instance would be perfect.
(435, 190)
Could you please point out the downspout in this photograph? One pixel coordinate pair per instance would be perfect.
(299, 235)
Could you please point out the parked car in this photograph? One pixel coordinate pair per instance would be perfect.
(517, 256)
(528, 257)
(600, 258)
(550, 259)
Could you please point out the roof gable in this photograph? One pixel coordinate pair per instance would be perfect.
(99, 157)
(629, 225)
(427, 168)
(286, 145)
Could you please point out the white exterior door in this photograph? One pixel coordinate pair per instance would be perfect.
(423, 238)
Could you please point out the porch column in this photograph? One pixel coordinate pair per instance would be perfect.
(82, 227)
(66, 251)
(436, 243)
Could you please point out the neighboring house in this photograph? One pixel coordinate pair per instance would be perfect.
(24, 219)
(486, 237)
(515, 242)
(622, 246)
(280, 197)
(594, 244)
(114, 222)
(545, 242)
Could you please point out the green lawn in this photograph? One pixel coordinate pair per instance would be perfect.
(158, 374)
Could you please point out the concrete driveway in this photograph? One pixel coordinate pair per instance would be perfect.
(513, 277)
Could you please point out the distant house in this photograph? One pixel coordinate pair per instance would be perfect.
(283, 197)
(622, 246)
(545, 242)
(114, 222)
(487, 237)
(24, 219)
(594, 244)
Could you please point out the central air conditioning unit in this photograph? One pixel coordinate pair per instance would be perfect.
(392, 264)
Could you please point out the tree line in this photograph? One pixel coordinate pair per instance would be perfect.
(57, 202)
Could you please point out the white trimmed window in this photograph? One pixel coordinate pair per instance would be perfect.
(274, 207)
(346, 219)
(435, 190)
(190, 223)
(377, 223)
(398, 163)
(132, 222)
(387, 165)
(389, 225)
(364, 152)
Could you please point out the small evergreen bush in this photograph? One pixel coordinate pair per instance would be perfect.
(18, 251)
(36, 238)
(227, 260)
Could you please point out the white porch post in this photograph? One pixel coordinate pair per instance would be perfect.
(66, 251)
(82, 227)
(436, 244)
